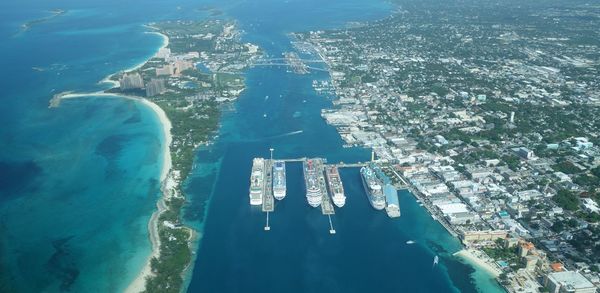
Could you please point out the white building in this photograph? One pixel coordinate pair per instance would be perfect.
(568, 282)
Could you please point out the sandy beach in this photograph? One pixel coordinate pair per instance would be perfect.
(165, 43)
(475, 257)
(138, 284)
(167, 183)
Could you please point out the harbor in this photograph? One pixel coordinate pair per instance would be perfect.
(323, 185)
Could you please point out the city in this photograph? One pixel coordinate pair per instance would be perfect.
(494, 124)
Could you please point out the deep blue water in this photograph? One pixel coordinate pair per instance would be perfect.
(78, 183)
(369, 252)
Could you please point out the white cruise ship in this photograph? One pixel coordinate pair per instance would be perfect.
(334, 183)
(257, 181)
(279, 186)
(313, 191)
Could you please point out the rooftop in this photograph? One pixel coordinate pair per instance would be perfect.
(571, 279)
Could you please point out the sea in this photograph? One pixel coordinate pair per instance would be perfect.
(78, 183)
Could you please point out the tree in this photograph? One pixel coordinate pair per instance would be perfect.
(567, 200)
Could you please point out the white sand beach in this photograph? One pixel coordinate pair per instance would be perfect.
(139, 283)
(165, 43)
(477, 258)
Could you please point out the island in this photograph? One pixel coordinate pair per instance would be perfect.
(53, 14)
(198, 69)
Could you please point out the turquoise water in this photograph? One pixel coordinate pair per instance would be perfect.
(369, 252)
(78, 183)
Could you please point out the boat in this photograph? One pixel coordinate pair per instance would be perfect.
(373, 187)
(392, 207)
(279, 186)
(256, 181)
(313, 190)
(410, 242)
(334, 183)
(436, 260)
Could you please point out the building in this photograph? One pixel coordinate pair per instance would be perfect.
(590, 205)
(568, 282)
(163, 53)
(525, 247)
(165, 70)
(180, 66)
(175, 68)
(131, 81)
(487, 235)
(155, 87)
(524, 153)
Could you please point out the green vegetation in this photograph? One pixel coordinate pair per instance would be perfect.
(596, 171)
(567, 200)
(190, 101)
(513, 162)
(566, 167)
(175, 253)
(587, 180)
(500, 252)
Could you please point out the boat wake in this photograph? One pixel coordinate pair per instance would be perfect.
(289, 134)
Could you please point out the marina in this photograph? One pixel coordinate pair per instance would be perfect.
(323, 185)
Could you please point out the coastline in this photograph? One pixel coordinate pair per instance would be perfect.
(165, 43)
(167, 184)
(474, 258)
(138, 284)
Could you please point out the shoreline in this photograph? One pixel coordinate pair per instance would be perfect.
(165, 43)
(472, 257)
(138, 284)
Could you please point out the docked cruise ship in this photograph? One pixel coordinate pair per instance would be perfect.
(313, 190)
(392, 207)
(279, 188)
(334, 183)
(256, 181)
(373, 187)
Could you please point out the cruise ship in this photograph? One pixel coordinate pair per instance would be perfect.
(256, 181)
(279, 189)
(313, 190)
(373, 187)
(335, 186)
(392, 207)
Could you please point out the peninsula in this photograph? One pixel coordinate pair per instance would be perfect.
(197, 69)
(53, 14)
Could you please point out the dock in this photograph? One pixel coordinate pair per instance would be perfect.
(320, 164)
(326, 204)
(268, 204)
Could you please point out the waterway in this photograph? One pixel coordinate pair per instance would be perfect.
(78, 183)
(279, 109)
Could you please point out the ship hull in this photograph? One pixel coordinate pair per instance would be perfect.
(279, 184)
(378, 204)
(279, 195)
(339, 201)
(313, 192)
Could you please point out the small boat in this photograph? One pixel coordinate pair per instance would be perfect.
(436, 260)
(410, 242)
(265, 115)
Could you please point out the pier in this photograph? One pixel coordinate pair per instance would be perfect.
(320, 193)
(268, 204)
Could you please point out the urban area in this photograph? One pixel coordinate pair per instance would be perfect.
(492, 116)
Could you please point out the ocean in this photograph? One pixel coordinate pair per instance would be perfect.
(78, 183)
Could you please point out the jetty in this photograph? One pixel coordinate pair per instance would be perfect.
(320, 164)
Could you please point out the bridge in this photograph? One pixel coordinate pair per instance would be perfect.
(283, 59)
(287, 63)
